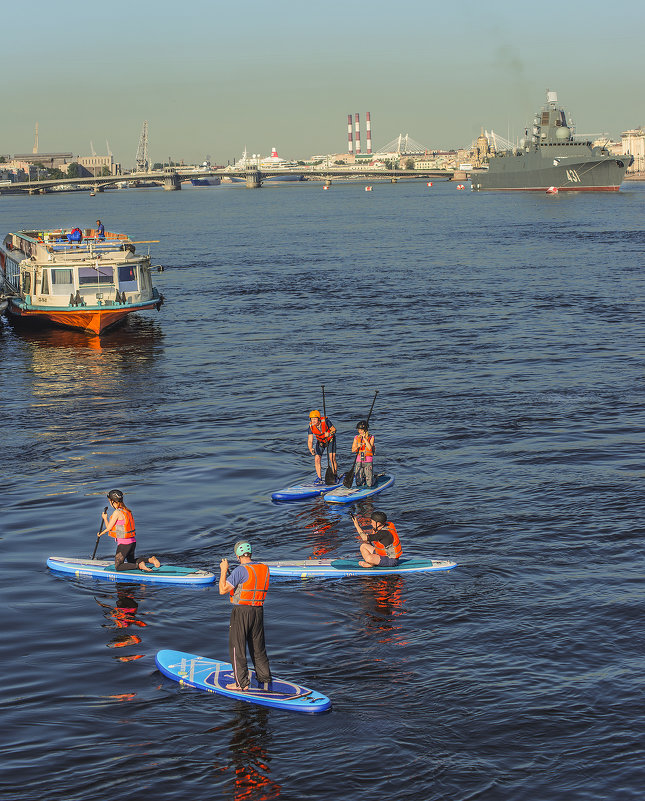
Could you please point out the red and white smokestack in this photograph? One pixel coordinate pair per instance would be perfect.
(368, 133)
(350, 141)
(357, 129)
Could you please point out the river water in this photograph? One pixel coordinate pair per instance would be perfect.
(506, 336)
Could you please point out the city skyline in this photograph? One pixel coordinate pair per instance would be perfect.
(218, 79)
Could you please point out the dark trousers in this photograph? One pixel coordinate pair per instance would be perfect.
(247, 629)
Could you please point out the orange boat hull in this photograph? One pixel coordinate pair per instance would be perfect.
(94, 321)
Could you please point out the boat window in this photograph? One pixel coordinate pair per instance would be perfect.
(26, 283)
(95, 275)
(45, 285)
(127, 276)
(545, 118)
(62, 281)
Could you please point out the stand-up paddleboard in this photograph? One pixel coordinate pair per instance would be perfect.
(213, 676)
(344, 495)
(308, 489)
(104, 569)
(337, 568)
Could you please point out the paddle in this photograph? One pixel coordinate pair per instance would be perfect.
(99, 531)
(330, 476)
(349, 478)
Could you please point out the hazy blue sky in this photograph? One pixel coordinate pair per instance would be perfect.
(212, 77)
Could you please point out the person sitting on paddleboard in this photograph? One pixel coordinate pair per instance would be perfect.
(363, 447)
(381, 546)
(321, 435)
(247, 585)
(121, 527)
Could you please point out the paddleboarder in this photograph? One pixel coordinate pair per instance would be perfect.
(381, 545)
(364, 448)
(121, 527)
(247, 585)
(321, 435)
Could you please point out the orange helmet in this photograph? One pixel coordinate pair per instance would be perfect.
(315, 413)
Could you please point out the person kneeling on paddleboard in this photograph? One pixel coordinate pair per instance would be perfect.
(121, 527)
(321, 435)
(381, 546)
(363, 447)
(247, 585)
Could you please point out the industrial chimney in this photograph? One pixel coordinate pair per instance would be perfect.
(350, 141)
(368, 133)
(357, 128)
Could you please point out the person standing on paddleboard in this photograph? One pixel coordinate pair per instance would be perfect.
(381, 546)
(364, 448)
(321, 435)
(121, 527)
(247, 585)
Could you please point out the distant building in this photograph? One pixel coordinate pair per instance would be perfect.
(49, 160)
(633, 144)
(94, 165)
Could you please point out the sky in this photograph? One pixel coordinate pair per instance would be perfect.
(212, 78)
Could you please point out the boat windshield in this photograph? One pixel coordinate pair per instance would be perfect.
(127, 277)
(95, 275)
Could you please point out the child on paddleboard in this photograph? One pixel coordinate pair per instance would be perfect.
(121, 527)
(380, 546)
(364, 448)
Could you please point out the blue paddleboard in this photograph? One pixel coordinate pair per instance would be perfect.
(104, 569)
(307, 489)
(337, 568)
(213, 676)
(344, 495)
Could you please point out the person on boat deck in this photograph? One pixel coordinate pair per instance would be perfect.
(321, 434)
(75, 236)
(100, 230)
(121, 527)
(247, 585)
(363, 447)
(381, 546)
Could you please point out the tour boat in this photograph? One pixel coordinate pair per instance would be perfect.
(76, 278)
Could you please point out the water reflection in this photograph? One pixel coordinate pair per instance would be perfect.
(249, 748)
(122, 615)
(382, 603)
(322, 528)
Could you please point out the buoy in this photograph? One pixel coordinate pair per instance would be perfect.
(460, 186)
(429, 183)
(368, 188)
(552, 190)
(325, 186)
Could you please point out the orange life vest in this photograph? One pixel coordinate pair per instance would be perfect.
(252, 592)
(124, 531)
(366, 452)
(322, 434)
(394, 550)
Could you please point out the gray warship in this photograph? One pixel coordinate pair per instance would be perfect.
(553, 157)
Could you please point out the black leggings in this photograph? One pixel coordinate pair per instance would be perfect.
(124, 557)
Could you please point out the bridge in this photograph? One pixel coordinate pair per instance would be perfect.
(171, 178)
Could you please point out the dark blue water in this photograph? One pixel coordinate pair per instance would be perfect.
(506, 337)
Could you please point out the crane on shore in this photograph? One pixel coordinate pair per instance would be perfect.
(143, 162)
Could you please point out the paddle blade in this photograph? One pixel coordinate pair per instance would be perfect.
(330, 476)
(349, 478)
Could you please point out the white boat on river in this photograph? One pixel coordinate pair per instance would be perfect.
(76, 279)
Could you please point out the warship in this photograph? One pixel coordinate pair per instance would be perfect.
(553, 158)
